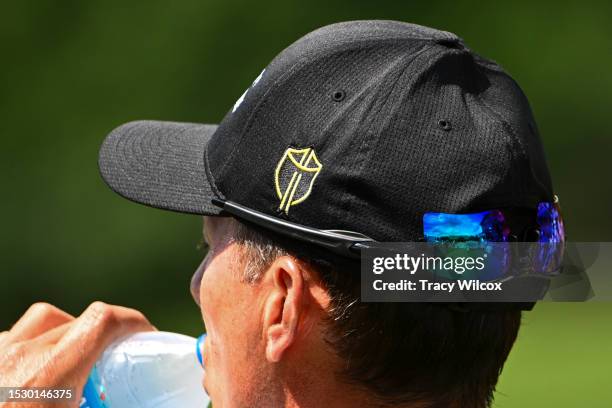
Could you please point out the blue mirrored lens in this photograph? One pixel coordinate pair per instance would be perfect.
(550, 223)
(477, 228)
(486, 226)
(552, 239)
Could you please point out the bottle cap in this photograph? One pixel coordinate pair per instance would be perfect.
(200, 348)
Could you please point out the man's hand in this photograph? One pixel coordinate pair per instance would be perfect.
(47, 347)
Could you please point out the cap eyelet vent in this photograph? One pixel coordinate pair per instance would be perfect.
(445, 124)
(338, 96)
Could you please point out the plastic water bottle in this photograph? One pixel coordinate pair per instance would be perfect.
(148, 370)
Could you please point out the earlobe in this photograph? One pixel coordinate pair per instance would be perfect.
(283, 307)
(279, 339)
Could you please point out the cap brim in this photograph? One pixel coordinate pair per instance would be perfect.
(160, 164)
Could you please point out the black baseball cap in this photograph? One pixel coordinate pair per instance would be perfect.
(349, 135)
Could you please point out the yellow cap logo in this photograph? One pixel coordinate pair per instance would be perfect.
(294, 176)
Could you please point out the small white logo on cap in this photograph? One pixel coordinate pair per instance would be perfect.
(239, 101)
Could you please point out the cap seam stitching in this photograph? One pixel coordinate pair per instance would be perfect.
(209, 175)
(521, 151)
(366, 132)
(298, 64)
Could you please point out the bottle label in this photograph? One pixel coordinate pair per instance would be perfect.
(94, 395)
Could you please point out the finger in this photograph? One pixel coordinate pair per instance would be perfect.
(39, 318)
(98, 326)
(3, 336)
(52, 336)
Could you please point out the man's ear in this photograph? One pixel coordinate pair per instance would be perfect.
(283, 306)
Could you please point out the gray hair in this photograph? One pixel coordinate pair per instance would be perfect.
(260, 251)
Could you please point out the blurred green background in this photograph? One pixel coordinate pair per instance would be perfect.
(72, 70)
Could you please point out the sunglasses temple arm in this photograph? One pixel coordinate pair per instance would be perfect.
(337, 243)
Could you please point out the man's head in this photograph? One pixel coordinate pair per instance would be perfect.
(281, 325)
(348, 137)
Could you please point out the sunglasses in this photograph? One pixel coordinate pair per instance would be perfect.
(544, 225)
(542, 228)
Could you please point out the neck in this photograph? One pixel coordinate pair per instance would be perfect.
(312, 382)
(313, 392)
